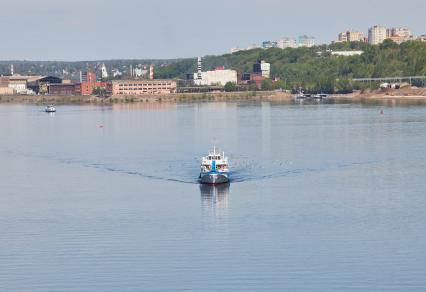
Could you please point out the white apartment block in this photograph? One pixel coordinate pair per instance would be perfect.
(376, 35)
(306, 41)
(355, 36)
(286, 42)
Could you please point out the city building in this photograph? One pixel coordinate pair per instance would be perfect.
(64, 89)
(87, 88)
(399, 34)
(269, 44)
(143, 87)
(376, 35)
(89, 82)
(216, 77)
(139, 72)
(88, 77)
(350, 36)
(6, 91)
(422, 38)
(40, 84)
(342, 37)
(286, 42)
(4, 81)
(18, 84)
(355, 36)
(306, 41)
(262, 68)
(257, 79)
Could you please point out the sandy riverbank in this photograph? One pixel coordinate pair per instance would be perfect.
(407, 95)
(388, 96)
(178, 97)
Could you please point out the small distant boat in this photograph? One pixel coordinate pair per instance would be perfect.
(50, 109)
(309, 97)
(214, 168)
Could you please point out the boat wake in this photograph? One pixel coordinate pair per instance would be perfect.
(242, 172)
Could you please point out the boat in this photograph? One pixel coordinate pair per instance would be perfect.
(50, 109)
(214, 168)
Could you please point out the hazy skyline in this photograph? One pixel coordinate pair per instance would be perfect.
(131, 29)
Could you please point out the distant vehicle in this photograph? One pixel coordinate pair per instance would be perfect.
(50, 109)
(214, 168)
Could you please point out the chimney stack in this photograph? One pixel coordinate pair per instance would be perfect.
(151, 72)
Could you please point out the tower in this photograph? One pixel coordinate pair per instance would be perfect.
(151, 72)
(12, 70)
(104, 71)
(199, 68)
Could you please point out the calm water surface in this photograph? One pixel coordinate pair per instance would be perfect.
(323, 198)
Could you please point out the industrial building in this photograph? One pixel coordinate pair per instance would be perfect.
(262, 68)
(64, 89)
(88, 83)
(216, 77)
(40, 85)
(143, 87)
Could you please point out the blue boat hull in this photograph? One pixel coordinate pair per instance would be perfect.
(214, 178)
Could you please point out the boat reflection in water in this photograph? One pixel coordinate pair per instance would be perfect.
(215, 196)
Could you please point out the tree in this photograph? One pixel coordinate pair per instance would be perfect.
(230, 86)
(267, 85)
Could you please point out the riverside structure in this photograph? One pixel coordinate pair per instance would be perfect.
(143, 87)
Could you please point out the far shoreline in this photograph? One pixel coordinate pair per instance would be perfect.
(259, 96)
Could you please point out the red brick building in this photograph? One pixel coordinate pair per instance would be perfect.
(87, 88)
(64, 89)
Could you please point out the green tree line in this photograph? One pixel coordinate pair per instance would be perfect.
(316, 69)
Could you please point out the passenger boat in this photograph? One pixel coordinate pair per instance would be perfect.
(214, 168)
(50, 109)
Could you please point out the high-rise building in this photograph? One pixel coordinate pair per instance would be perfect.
(399, 34)
(400, 31)
(377, 34)
(350, 36)
(343, 37)
(306, 41)
(286, 42)
(355, 36)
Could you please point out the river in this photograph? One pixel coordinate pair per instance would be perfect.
(328, 197)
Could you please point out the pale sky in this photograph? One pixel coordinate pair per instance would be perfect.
(72, 30)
